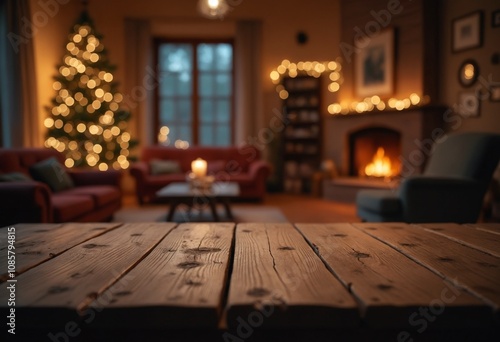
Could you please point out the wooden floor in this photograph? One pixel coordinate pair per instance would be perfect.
(304, 208)
(297, 208)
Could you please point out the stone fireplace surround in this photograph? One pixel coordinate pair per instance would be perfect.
(418, 128)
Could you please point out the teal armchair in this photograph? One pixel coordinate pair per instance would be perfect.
(451, 189)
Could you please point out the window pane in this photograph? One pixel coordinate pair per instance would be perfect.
(176, 57)
(222, 135)
(206, 111)
(223, 84)
(222, 111)
(172, 84)
(205, 56)
(184, 82)
(224, 57)
(167, 111)
(185, 133)
(206, 135)
(167, 84)
(179, 132)
(206, 84)
(183, 113)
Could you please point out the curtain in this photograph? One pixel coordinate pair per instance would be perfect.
(140, 79)
(248, 96)
(18, 94)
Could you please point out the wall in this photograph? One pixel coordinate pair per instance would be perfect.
(281, 19)
(363, 20)
(450, 88)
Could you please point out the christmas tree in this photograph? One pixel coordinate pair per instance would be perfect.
(85, 120)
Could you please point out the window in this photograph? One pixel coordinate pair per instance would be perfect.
(195, 94)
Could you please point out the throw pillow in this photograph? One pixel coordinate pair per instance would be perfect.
(163, 167)
(52, 173)
(14, 177)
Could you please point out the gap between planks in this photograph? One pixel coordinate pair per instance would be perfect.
(442, 262)
(388, 286)
(181, 283)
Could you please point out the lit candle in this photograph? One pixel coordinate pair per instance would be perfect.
(199, 167)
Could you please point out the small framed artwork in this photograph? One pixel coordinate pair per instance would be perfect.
(467, 32)
(468, 73)
(468, 104)
(495, 93)
(495, 19)
(374, 66)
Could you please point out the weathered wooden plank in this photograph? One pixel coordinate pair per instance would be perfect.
(278, 280)
(482, 240)
(181, 283)
(474, 270)
(391, 288)
(37, 243)
(26, 229)
(487, 227)
(21, 231)
(51, 293)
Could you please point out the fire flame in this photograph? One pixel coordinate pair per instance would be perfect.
(380, 165)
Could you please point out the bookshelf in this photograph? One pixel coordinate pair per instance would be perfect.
(302, 139)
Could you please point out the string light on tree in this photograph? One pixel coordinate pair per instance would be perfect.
(85, 120)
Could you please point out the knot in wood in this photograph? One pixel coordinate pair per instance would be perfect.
(258, 292)
(189, 264)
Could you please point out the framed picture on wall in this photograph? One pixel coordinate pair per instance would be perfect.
(374, 66)
(495, 93)
(468, 104)
(467, 32)
(495, 19)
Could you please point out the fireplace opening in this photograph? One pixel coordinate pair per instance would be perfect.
(374, 152)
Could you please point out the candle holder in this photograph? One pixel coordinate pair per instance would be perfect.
(200, 183)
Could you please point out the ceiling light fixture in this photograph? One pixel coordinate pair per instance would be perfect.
(213, 9)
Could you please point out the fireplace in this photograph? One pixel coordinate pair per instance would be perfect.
(353, 141)
(374, 152)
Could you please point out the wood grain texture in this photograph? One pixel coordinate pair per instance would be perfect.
(52, 292)
(390, 288)
(278, 280)
(480, 239)
(181, 283)
(471, 269)
(488, 227)
(36, 243)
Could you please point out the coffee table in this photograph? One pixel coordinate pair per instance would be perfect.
(182, 193)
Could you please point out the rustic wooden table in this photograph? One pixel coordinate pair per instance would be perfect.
(251, 282)
(182, 193)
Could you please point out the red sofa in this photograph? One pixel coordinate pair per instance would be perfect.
(95, 196)
(241, 165)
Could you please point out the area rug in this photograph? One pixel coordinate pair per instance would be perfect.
(241, 213)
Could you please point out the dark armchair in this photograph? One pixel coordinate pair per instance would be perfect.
(451, 189)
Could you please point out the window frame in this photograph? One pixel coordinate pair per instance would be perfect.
(195, 98)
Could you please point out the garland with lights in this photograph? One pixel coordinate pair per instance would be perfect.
(315, 69)
(85, 120)
(333, 68)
